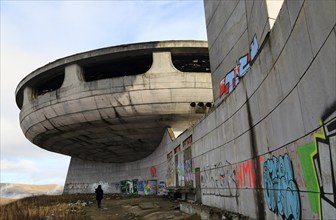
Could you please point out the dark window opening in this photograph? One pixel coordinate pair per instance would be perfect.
(50, 84)
(115, 68)
(191, 63)
(193, 104)
(208, 104)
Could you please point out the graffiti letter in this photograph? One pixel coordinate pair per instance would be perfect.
(280, 190)
(254, 48)
(244, 65)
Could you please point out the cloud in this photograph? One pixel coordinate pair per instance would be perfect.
(76, 26)
(18, 166)
(47, 171)
(34, 33)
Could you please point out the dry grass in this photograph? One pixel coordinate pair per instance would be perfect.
(4, 201)
(28, 188)
(47, 207)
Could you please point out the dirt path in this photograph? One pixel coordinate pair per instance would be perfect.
(149, 208)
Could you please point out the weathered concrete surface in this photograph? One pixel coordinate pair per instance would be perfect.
(117, 119)
(267, 150)
(290, 107)
(260, 151)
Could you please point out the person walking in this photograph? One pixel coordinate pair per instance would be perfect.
(99, 195)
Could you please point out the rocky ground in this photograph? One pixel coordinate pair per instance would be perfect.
(150, 208)
(75, 207)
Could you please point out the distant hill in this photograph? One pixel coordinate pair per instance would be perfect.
(13, 191)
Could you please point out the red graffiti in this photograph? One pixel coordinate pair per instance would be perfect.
(153, 171)
(246, 174)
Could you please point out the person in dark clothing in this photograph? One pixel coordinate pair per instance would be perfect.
(99, 195)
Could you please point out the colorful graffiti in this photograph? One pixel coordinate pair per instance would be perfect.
(170, 172)
(229, 177)
(188, 175)
(180, 169)
(162, 190)
(319, 167)
(147, 187)
(187, 160)
(150, 187)
(280, 189)
(231, 79)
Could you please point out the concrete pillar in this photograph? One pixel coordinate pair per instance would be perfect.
(73, 75)
(160, 61)
(28, 94)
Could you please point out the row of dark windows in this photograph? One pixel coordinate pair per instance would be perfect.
(126, 67)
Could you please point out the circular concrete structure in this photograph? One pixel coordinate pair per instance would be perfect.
(114, 104)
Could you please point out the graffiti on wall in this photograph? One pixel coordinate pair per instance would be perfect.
(147, 187)
(170, 172)
(140, 186)
(150, 187)
(90, 187)
(180, 169)
(162, 190)
(297, 180)
(188, 175)
(280, 189)
(231, 79)
(126, 187)
(224, 180)
(170, 169)
(219, 180)
(135, 186)
(245, 173)
(319, 170)
(187, 162)
(129, 186)
(179, 166)
(153, 171)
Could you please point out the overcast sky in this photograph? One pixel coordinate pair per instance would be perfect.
(34, 33)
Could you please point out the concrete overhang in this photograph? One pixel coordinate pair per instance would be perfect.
(108, 53)
(117, 118)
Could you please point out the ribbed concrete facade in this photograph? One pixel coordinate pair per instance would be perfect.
(267, 149)
(114, 104)
(270, 150)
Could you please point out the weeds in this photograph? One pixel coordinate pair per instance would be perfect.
(69, 207)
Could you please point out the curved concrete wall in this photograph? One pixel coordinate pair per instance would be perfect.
(268, 149)
(271, 153)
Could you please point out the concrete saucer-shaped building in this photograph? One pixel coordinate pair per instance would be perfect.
(113, 105)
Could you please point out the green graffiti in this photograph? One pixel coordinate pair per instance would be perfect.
(306, 153)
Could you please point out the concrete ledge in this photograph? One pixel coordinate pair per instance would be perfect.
(206, 212)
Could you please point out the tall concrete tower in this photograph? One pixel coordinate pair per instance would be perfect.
(265, 147)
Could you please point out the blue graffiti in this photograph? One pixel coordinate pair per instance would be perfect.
(280, 189)
(231, 79)
(140, 186)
